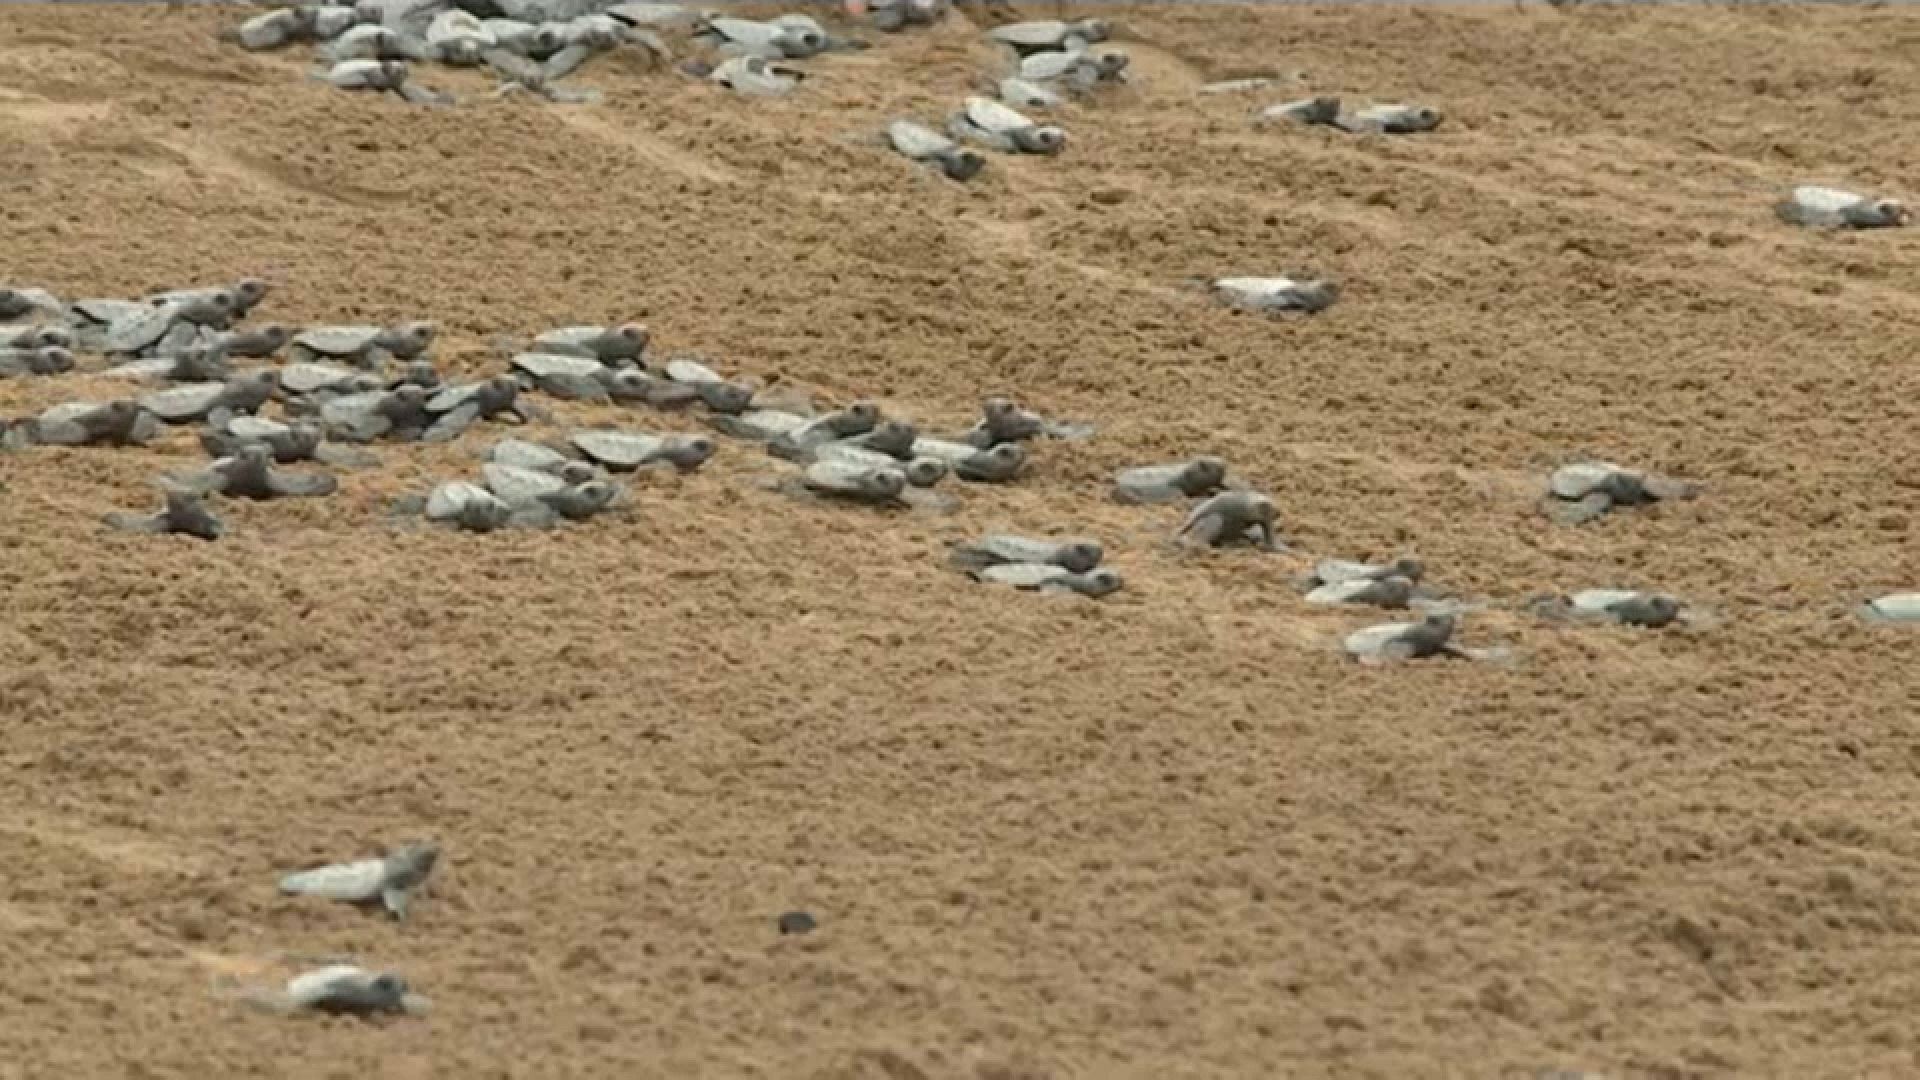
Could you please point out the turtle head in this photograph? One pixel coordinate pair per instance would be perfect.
(1204, 473)
(254, 453)
(1425, 117)
(1410, 568)
(1081, 556)
(1044, 139)
(725, 397)
(1257, 508)
(1110, 64)
(925, 472)
(464, 52)
(1010, 454)
(53, 335)
(804, 39)
(576, 472)
(1663, 607)
(275, 334)
(1099, 582)
(412, 395)
(265, 379)
(367, 12)
(249, 291)
(1440, 622)
(547, 39)
(864, 413)
(634, 334)
(965, 164)
(595, 493)
(688, 451)
(887, 482)
(1891, 211)
(53, 360)
(1092, 30)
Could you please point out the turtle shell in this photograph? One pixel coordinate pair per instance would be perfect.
(516, 483)
(526, 455)
(993, 117)
(305, 378)
(337, 340)
(448, 499)
(1034, 34)
(1582, 478)
(917, 141)
(681, 369)
(618, 449)
(1049, 65)
(558, 365)
(1369, 640)
(187, 401)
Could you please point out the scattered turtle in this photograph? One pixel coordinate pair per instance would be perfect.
(1386, 591)
(389, 880)
(83, 423)
(921, 472)
(1627, 606)
(370, 41)
(19, 301)
(460, 504)
(249, 474)
(723, 396)
(321, 382)
(400, 413)
(458, 38)
(572, 378)
(1001, 421)
(36, 360)
(615, 346)
(290, 443)
(1075, 68)
(1826, 207)
(881, 484)
(1389, 120)
(195, 363)
(1147, 484)
(1020, 93)
(367, 347)
(1334, 571)
(1049, 577)
(754, 75)
(1893, 607)
(182, 513)
(1271, 294)
(1042, 35)
(457, 407)
(1076, 556)
(255, 342)
(380, 75)
(149, 324)
(1386, 643)
(893, 437)
(750, 39)
(273, 29)
(998, 126)
(919, 143)
(624, 451)
(526, 455)
(759, 425)
(858, 418)
(188, 403)
(1582, 491)
(1321, 110)
(1230, 517)
(538, 497)
(997, 464)
(341, 988)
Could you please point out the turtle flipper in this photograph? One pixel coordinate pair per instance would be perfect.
(395, 901)
(510, 64)
(423, 95)
(301, 484)
(126, 521)
(533, 514)
(565, 62)
(451, 425)
(1577, 511)
(1203, 531)
(203, 482)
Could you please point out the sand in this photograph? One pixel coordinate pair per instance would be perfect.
(1172, 833)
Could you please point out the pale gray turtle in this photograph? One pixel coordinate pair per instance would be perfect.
(1389, 120)
(1321, 110)
(307, 379)
(1048, 577)
(1145, 484)
(571, 378)
(755, 76)
(147, 326)
(290, 443)
(997, 464)
(1386, 591)
(644, 13)
(182, 513)
(35, 336)
(879, 484)
(367, 347)
(249, 474)
(1275, 294)
(1335, 571)
(1042, 35)
(806, 28)
(893, 16)
(521, 74)
(195, 363)
(1237, 86)
(101, 312)
(84, 423)
(1893, 607)
(187, 403)
(39, 360)
(1826, 207)
(522, 38)
(1079, 70)
(332, 20)
(1001, 420)
(894, 438)
(920, 472)
(598, 31)
(526, 455)
(380, 76)
(341, 988)
(635, 385)
(19, 301)
(373, 42)
(1022, 93)
(927, 146)
(616, 346)
(1387, 643)
(724, 396)
(457, 407)
(458, 38)
(759, 425)
(1231, 517)
(1076, 555)
(998, 126)
(625, 451)
(1582, 491)
(1626, 606)
(519, 483)
(460, 504)
(540, 498)
(389, 880)
(272, 29)
(857, 418)
(257, 342)
(752, 39)
(400, 414)
(242, 296)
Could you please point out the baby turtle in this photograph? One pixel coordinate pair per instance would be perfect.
(616, 346)
(919, 143)
(290, 443)
(756, 76)
(1001, 420)
(539, 498)
(1041, 35)
(1389, 120)
(1322, 110)
(212, 401)
(35, 336)
(372, 42)
(19, 301)
(998, 126)
(1582, 491)
(256, 342)
(149, 324)
(519, 74)
(921, 472)
(242, 296)
(37, 360)
(1077, 556)
(462, 505)
(759, 425)
(1231, 517)
(624, 451)
(1626, 606)
(458, 407)
(858, 418)
(1020, 93)
(341, 988)
(1271, 294)
(380, 76)
(1148, 484)
(752, 39)
(458, 38)
(84, 423)
(526, 455)
(1334, 571)
(389, 880)
(881, 484)
(249, 474)
(366, 347)
(1049, 577)
(998, 464)
(1079, 70)
(324, 381)
(571, 378)
(182, 513)
(400, 413)
(1893, 607)
(195, 363)
(272, 29)
(1387, 643)
(1826, 207)
(1387, 591)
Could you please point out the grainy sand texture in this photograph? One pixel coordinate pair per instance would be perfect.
(1169, 833)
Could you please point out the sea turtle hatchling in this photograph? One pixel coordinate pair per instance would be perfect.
(893, 16)
(1826, 207)
(1148, 484)
(1626, 606)
(86, 423)
(182, 513)
(400, 414)
(526, 455)
(290, 442)
(1020, 93)
(370, 41)
(249, 474)
(877, 484)
(149, 324)
(1584, 490)
(310, 380)
(920, 143)
(755, 76)
(254, 342)
(625, 451)
(20, 301)
(367, 347)
(921, 472)
(1049, 577)
(1275, 294)
(1041, 35)
(340, 988)
(380, 76)
(242, 296)
(753, 39)
(36, 360)
(570, 378)
(188, 403)
(460, 504)
(1077, 555)
(1385, 643)
(196, 363)
(519, 74)
(1000, 127)
(1388, 591)
(389, 880)
(458, 38)
(857, 418)
(1002, 420)
(456, 408)
(272, 29)
(616, 346)
(35, 336)
(1231, 517)
(723, 396)
(1901, 607)
(538, 497)
(1321, 110)
(759, 425)
(1389, 120)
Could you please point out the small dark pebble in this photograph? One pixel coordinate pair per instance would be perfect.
(797, 922)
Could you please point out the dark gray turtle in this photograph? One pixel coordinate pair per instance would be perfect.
(625, 451)
(290, 443)
(1390, 120)
(1893, 607)
(242, 297)
(416, 372)
(195, 363)
(367, 347)
(19, 301)
(389, 880)
(38, 360)
(920, 472)
(998, 126)
(1386, 591)
(568, 377)
(759, 425)
(1049, 577)
(1040, 35)
(400, 414)
(634, 385)
(522, 38)
(996, 465)
(272, 29)
(1387, 643)
(917, 142)
(249, 474)
(84, 423)
(1321, 110)
(570, 502)
(1627, 606)
(380, 76)
(752, 39)
(1231, 517)
(183, 513)
(724, 396)
(857, 418)
(1584, 490)
(257, 342)
(306, 379)
(1826, 207)
(35, 336)
(141, 329)
(458, 407)
(1275, 294)
(188, 403)
(1077, 555)
(1335, 571)
(615, 346)
(1001, 420)
(343, 989)
(1147, 484)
